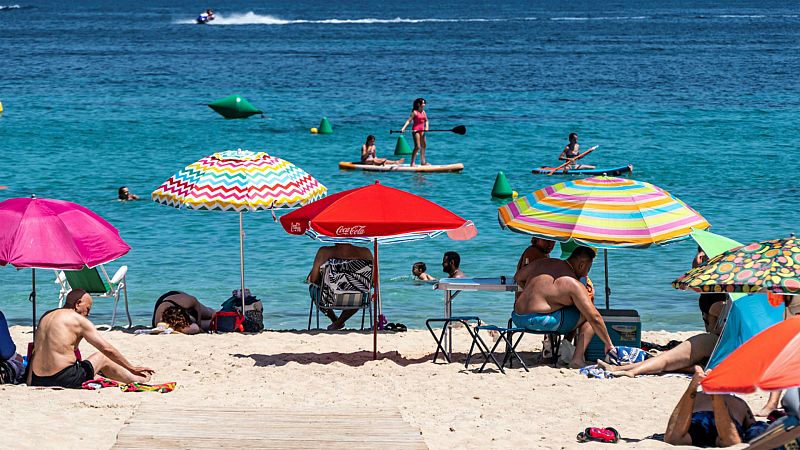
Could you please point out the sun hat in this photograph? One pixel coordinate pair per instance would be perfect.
(568, 247)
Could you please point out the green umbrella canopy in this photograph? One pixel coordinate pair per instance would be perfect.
(234, 107)
(713, 244)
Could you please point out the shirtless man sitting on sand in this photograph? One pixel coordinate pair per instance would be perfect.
(337, 251)
(60, 332)
(554, 300)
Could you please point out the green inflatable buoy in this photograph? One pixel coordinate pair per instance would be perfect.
(502, 188)
(234, 107)
(325, 126)
(402, 148)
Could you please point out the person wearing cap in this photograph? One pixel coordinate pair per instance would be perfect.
(554, 300)
(566, 250)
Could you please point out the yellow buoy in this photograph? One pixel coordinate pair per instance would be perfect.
(1, 107)
(314, 131)
(514, 194)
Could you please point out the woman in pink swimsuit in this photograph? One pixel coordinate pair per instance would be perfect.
(420, 125)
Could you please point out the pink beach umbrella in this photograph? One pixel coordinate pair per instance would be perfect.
(40, 233)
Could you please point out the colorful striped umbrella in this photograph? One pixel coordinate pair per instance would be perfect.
(239, 180)
(602, 212)
(772, 265)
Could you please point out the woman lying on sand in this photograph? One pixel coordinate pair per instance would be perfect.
(182, 312)
(694, 351)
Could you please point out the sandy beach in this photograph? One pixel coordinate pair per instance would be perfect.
(453, 407)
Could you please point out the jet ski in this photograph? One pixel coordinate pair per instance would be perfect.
(205, 17)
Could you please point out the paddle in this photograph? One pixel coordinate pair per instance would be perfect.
(572, 160)
(460, 129)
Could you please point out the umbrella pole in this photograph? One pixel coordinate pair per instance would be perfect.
(377, 298)
(608, 289)
(32, 298)
(241, 257)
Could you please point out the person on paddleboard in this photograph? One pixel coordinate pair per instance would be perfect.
(420, 125)
(369, 154)
(572, 151)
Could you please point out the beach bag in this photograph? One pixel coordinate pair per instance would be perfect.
(565, 352)
(254, 320)
(226, 321)
(7, 373)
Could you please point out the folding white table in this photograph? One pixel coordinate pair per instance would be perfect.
(453, 286)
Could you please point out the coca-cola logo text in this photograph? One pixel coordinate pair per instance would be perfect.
(355, 230)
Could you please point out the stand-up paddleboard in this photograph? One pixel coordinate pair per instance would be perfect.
(457, 167)
(611, 171)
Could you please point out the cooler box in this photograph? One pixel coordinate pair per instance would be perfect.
(625, 328)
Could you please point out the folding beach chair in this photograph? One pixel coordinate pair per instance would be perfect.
(346, 285)
(785, 432)
(97, 283)
(507, 336)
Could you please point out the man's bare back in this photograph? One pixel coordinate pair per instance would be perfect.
(57, 337)
(548, 284)
(60, 332)
(553, 299)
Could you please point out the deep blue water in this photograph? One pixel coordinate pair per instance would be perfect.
(703, 99)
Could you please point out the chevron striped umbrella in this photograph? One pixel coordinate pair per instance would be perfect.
(239, 180)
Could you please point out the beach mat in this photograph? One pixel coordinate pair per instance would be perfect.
(266, 428)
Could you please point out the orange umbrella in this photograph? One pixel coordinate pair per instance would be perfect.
(769, 361)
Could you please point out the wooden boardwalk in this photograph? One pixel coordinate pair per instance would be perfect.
(173, 427)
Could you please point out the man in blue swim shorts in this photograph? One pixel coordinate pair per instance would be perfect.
(553, 299)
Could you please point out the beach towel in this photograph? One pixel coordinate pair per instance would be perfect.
(345, 276)
(161, 329)
(594, 371)
(621, 355)
(100, 383)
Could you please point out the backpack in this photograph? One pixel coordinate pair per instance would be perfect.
(253, 320)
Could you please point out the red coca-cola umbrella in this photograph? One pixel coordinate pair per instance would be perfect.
(376, 214)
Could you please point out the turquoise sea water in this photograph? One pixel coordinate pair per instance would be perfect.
(703, 99)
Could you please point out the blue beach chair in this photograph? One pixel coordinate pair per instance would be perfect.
(7, 347)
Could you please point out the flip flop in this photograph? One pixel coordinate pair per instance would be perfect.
(100, 383)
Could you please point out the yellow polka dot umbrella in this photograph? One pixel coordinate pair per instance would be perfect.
(772, 265)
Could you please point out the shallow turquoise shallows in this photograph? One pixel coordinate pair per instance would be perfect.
(704, 100)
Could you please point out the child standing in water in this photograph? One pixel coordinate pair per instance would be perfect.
(420, 125)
